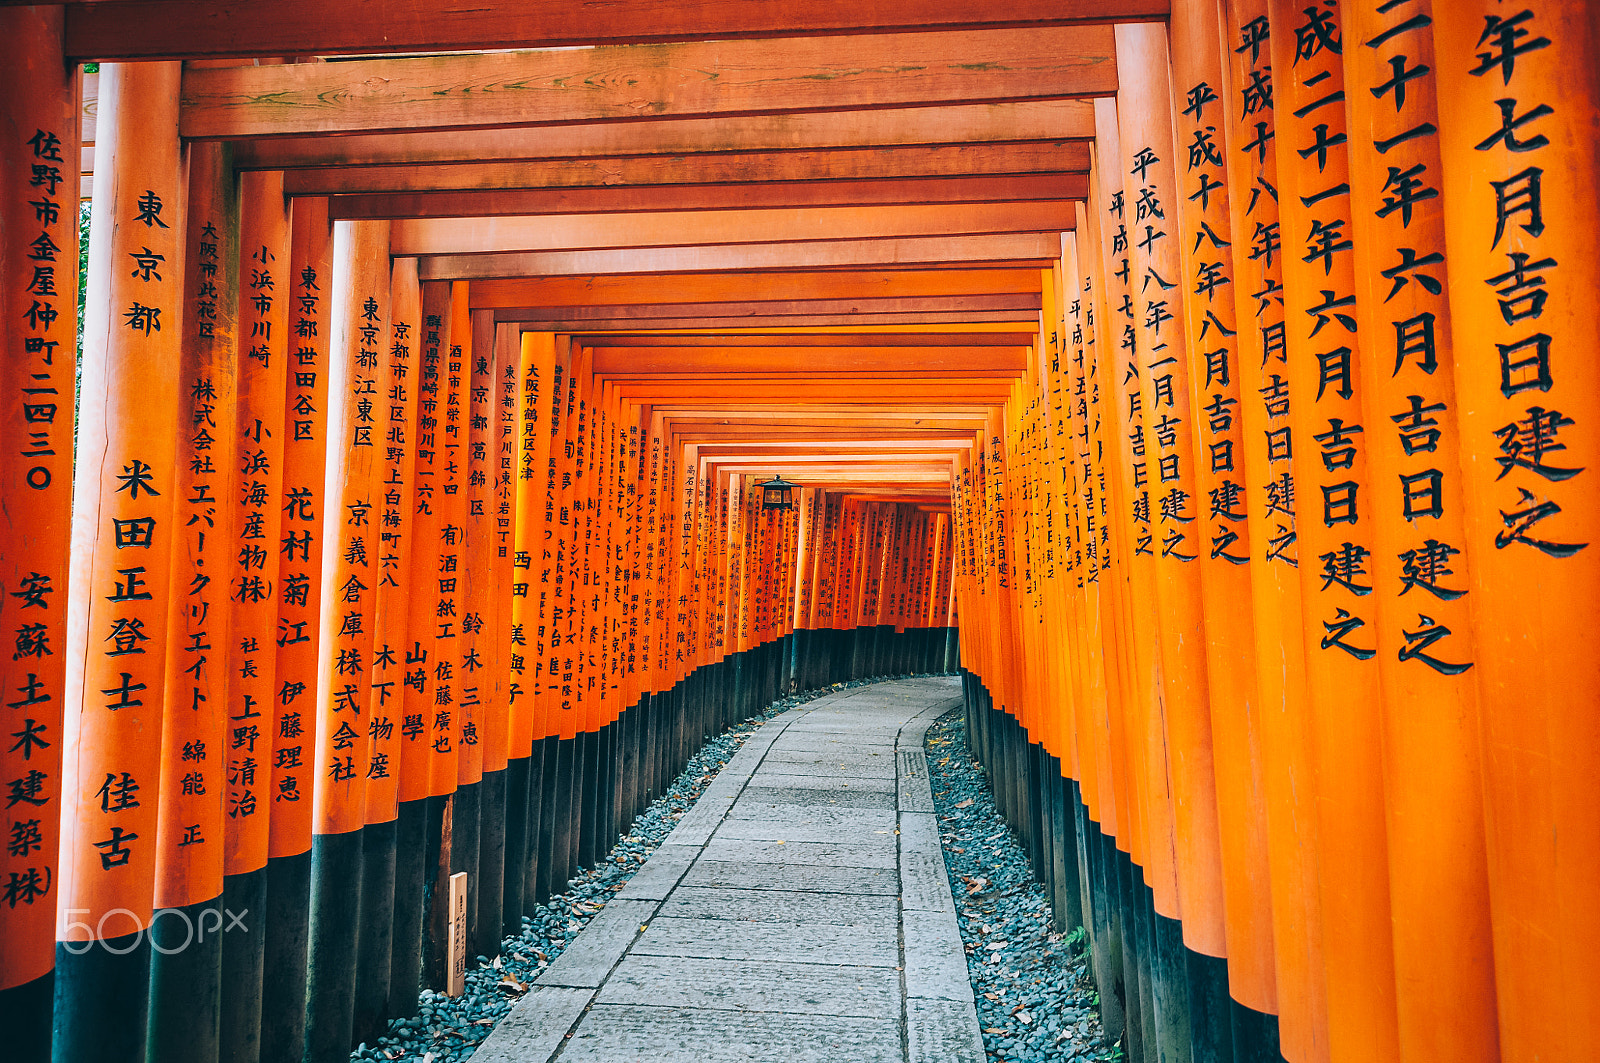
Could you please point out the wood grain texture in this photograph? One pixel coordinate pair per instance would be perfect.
(755, 195)
(1012, 251)
(716, 287)
(153, 29)
(1012, 123)
(647, 81)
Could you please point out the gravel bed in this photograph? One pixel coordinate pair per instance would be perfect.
(1035, 999)
(450, 1029)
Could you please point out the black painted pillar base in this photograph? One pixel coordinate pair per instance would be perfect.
(102, 990)
(375, 934)
(243, 956)
(465, 841)
(491, 865)
(185, 984)
(25, 1012)
(405, 935)
(331, 970)
(283, 977)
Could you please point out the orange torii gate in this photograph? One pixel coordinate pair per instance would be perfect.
(1226, 386)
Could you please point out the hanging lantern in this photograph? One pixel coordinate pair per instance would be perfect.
(775, 494)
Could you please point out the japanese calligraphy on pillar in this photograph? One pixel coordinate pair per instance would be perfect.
(302, 507)
(38, 297)
(255, 483)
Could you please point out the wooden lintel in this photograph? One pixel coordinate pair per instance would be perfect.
(1004, 252)
(590, 232)
(1013, 122)
(857, 360)
(937, 317)
(648, 81)
(535, 290)
(533, 201)
(813, 339)
(914, 304)
(180, 29)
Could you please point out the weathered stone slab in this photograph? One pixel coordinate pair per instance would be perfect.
(700, 902)
(535, 1027)
(835, 853)
(592, 954)
(753, 985)
(842, 820)
(943, 1031)
(624, 1033)
(812, 878)
(865, 945)
(793, 831)
(776, 779)
(936, 965)
(838, 764)
(660, 873)
(840, 796)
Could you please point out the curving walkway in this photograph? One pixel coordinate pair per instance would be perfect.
(799, 912)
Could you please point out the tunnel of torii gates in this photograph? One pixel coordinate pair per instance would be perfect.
(1240, 399)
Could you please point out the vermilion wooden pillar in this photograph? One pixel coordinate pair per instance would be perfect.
(1264, 404)
(1433, 780)
(1325, 352)
(1520, 98)
(38, 296)
(124, 506)
(253, 489)
(186, 985)
(304, 507)
(1221, 499)
(358, 376)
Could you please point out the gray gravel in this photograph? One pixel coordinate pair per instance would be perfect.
(451, 1029)
(1035, 1000)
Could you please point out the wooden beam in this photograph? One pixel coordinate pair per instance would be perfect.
(856, 360)
(716, 287)
(754, 195)
(937, 317)
(180, 29)
(585, 232)
(1006, 251)
(914, 304)
(648, 81)
(971, 124)
(867, 340)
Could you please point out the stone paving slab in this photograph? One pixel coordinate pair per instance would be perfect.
(835, 853)
(753, 985)
(857, 946)
(816, 878)
(841, 796)
(797, 913)
(709, 902)
(812, 782)
(620, 1033)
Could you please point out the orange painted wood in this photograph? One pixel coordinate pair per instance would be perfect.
(1432, 762)
(455, 236)
(711, 287)
(253, 488)
(811, 360)
(1336, 521)
(1226, 560)
(391, 545)
(125, 473)
(36, 94)
(149, 29)
(1532, 528)
(196, 712)
(821, 187)
(811, 307)
(1275, 584)
(358, 379)
(999, 251)
(305, 501)
(864, 340)
(647, 81)
(967, 126)
(996, 317)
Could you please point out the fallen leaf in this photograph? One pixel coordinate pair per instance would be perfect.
(964, 804)
(1024, 1018)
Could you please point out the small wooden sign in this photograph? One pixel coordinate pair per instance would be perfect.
(456, 981)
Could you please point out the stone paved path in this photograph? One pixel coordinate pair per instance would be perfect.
(798, 913)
